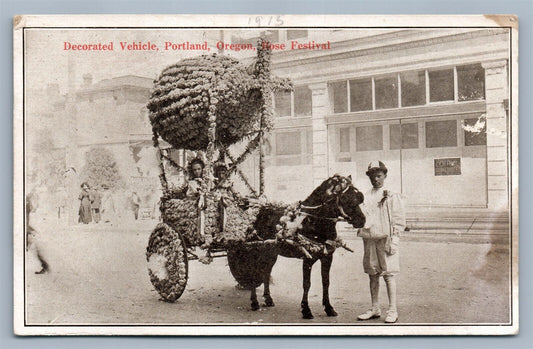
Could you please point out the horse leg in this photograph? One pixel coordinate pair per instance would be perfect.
(269, 302)
(325, 266)
(307, 266)
(253, 298)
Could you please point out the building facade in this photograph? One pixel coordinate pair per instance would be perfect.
(431, 104)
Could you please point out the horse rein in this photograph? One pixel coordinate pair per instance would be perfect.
(337, 196)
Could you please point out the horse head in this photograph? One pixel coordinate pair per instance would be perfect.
(337, 196)
(349, 199)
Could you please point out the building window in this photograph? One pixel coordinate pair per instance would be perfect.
(441, 85)
(291, 148)
(441, 134)
(475, 132)
(235, 39)
(413, 88)
(339, 95)
(360, 95)
(296, 34)
(282, 101)
(386, 92)
(288, 143)
(369, 138)
(297, 103)
(404, 135)
(303, 101)
(344, 140)
(408, 89)
(270, 36)
(470, 82)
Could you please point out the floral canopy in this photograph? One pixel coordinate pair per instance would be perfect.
(213, 96)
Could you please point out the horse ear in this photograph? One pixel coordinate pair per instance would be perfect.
(350, 177)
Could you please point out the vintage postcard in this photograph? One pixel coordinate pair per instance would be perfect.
(265, 175)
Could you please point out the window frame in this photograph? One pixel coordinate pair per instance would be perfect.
(458, 133)
(293, 106)
(428, 102)
(304, 157)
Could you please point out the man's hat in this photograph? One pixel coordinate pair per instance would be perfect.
(376, 166)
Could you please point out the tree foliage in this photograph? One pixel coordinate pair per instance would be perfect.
(47, 163)
(101, 168)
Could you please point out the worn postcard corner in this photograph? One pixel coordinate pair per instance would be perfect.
(265, 175)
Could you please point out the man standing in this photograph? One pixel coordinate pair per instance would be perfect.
(381, 236)
(96, 202)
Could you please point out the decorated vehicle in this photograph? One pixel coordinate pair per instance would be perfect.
(203, 106)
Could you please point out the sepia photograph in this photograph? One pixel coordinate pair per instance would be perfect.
(265, 175)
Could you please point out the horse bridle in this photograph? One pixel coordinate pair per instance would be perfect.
(336, 197)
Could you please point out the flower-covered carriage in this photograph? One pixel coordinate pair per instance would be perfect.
(206, 105)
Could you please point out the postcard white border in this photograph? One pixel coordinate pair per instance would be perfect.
(204, 20)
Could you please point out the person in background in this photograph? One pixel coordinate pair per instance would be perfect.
(85, 204)
(381, 237)
(96, 202)
(135, 204)
(31, 204)
(108, 205)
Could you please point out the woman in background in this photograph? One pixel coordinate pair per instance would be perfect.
(85, 204)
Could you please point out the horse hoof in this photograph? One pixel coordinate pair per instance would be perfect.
(255, 306)
(331, 312)
(269, 302)
(308, 316)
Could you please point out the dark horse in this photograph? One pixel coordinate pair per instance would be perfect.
(335, 197)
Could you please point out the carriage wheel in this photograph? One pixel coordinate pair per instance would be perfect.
(167, 262)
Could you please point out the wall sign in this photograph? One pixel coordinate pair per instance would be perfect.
(447, 167)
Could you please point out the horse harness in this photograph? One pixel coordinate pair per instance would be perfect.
(339, 207)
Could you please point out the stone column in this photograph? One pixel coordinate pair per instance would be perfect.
(320, 134)
(496, 92)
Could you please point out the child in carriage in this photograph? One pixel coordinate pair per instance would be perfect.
(196, 181)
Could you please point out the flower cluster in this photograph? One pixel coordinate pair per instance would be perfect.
(192, 95)
(289, 227)
(167, 258)
(386, 194)
(239, 223)
(183, 215)
(290, 223)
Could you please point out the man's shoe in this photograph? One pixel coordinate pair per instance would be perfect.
(370, 314)
(392, 316)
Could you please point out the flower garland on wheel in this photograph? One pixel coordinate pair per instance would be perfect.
(167, 262)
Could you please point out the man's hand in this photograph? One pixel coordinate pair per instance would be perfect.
(394, 245)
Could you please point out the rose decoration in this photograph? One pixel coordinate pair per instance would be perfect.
(212, 97)
(386, 195)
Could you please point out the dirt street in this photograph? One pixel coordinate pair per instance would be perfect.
(99, 276)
